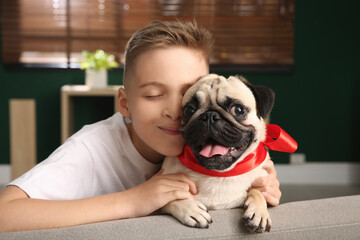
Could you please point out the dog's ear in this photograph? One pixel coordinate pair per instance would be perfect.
(265, 98)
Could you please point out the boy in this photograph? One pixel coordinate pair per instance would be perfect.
(104, 171)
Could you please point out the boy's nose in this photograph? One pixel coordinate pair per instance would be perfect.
(173, 108)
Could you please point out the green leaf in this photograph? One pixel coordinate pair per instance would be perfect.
(98, 60)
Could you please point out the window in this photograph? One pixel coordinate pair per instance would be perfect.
(247, 32)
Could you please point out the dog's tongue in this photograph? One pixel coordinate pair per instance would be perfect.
(211, 150)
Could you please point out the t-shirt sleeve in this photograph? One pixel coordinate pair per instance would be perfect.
(66, 174)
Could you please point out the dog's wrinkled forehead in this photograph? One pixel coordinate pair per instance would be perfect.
(212, 90)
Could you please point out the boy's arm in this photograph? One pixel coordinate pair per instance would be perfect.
(19, 212)
(269, 186)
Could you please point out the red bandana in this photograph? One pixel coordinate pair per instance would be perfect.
(276, 139)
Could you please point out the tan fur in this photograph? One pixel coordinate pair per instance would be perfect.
(256, 216)
(222, 192)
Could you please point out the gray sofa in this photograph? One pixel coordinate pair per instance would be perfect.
(331, 218)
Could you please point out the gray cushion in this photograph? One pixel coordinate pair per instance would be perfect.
(332, 218)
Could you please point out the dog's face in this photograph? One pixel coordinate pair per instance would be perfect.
(223, 119)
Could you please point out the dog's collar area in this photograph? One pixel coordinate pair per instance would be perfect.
(276, 139)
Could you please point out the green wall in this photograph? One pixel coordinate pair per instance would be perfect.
(318, 103)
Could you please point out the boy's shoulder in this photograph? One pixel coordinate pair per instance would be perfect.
(112, 126)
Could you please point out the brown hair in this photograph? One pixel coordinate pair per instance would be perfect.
(160, 34)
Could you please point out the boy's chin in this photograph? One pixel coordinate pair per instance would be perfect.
(173, 152)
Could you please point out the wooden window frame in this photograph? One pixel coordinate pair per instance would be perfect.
(80, 25)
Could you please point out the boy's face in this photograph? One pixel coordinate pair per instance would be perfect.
(159, 80)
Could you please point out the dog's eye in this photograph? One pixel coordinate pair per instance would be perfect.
(188, 111)
(237, 110)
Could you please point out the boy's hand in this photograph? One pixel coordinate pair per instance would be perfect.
(158, 191)
(269, 186)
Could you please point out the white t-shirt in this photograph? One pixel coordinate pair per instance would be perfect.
(97, 160)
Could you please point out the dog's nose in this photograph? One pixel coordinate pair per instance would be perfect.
(211, 117)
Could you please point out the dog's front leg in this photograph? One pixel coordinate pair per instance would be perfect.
(190, 212)
(256, 216)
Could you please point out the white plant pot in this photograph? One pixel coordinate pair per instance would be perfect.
(96, 79)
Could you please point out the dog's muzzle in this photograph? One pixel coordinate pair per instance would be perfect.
(215, 142)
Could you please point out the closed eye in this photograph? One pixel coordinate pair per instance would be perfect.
(153, 97)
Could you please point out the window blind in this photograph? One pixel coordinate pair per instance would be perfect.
(247, 32)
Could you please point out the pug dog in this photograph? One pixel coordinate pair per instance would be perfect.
(224, 121)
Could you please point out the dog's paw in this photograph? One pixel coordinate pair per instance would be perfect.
(256, 219)
(189, 212)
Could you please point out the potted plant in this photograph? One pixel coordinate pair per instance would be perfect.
(96, 65)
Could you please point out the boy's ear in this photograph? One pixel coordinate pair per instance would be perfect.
(122, 103)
